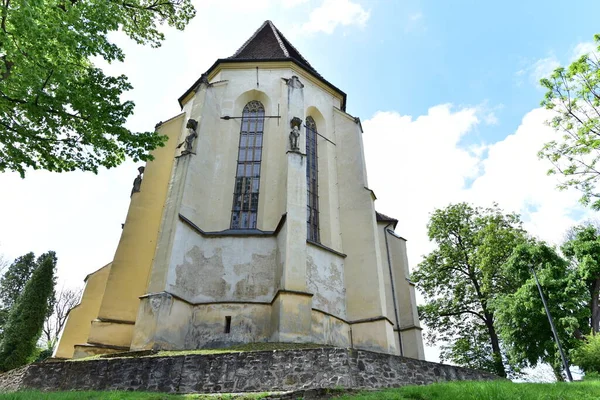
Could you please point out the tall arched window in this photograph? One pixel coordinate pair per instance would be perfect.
(247, 179)
(312, 181)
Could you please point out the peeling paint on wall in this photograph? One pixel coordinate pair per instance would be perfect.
(325, 279)
(223, 268)
(329, 330)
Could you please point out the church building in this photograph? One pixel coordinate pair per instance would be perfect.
(254, 223)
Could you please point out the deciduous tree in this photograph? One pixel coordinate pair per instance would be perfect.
(520, 316)
(58, 111)
(574, 94)
(65, 300)
(460, 279)
(583, 249)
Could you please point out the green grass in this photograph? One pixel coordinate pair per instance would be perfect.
(34, 395)
(496, 390)
(233, 349)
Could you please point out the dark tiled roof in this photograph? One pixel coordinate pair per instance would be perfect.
(268, 44)
(384, 218)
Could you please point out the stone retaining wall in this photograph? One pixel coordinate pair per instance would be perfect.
(238, 372)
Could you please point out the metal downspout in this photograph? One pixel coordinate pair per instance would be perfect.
(389, 260)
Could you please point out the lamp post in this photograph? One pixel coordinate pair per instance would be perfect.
(554, 332)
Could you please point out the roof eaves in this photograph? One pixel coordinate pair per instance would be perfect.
(384, 218)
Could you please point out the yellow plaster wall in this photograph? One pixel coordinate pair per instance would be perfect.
(406, 306)
(292, 317)
(77, 327)
(128, 275)
(363, 266)
(375, 336)
(208, 189)
(327, 329)
(209, 184)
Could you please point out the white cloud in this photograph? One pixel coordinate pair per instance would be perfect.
(488, 114)
(585, 48)
(418, 164)
(543, 68)
(333, 13)
(490, 118)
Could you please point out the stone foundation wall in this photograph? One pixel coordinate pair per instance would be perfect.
(238, 372)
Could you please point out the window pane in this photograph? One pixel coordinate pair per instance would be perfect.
(247, 180)
(312, 218)
(256, 170)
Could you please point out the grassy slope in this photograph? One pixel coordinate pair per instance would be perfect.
(499, 390)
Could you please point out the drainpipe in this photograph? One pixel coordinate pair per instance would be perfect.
(389, 260)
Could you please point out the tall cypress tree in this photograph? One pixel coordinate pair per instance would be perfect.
(26, 317)
(12, 284)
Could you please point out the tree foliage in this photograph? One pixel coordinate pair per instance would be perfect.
(521, 319)
(58, 111)
(574, 94)
(462, 277)
(587, 356)
(27, 316)
(583, 249)
(12, 284)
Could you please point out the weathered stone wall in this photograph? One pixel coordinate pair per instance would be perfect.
(238, 372)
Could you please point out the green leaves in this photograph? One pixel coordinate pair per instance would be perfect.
(57, 111)
(461, 278)
(521, 319)
(27, 316)
(574, 94)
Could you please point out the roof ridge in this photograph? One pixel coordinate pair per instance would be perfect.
(251, 38)
(276, 33)
(304, 60)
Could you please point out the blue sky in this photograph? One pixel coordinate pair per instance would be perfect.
(447, 92)
(460, 52)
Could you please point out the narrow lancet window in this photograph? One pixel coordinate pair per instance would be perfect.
(312, 181)
(247, 179)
